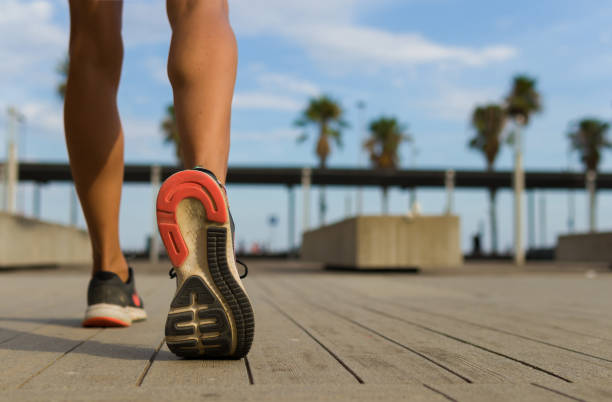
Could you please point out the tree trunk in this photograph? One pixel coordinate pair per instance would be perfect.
(519, 186)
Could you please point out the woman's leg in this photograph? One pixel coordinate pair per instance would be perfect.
(93, 131)
(202, 70)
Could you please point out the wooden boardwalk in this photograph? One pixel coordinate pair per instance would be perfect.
(483, 335)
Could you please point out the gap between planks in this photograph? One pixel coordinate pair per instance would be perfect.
(530, 365)
(314, 338)
(148, 364)
(58, 358)
(462, 320)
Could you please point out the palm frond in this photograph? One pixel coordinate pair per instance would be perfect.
(386, 135)
(589, 137)
(326, 115)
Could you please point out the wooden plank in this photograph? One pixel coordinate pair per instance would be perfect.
(26, 299)
(114, 356)
(283, 353)
(373, 359)
(211, 392)
(499, 393)
(36, 349)
(169, 370)
(534, 327)
(475, 364)
(586, 392)
(564, 364)
(568, 332)
(534, 304)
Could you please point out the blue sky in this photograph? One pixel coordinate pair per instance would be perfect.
(426, 62)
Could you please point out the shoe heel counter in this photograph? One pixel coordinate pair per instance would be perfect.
(99, 293)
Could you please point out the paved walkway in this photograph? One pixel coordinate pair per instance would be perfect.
(491, 334)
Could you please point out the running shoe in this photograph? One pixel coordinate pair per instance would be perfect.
(210, 314)
(112, 302)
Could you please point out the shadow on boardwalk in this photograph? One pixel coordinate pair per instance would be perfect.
(478, 334)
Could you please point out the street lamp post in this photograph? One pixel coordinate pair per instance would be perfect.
(12, 168)
(361, 107)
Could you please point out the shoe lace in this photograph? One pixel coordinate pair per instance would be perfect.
(172, 272)
(246, 269)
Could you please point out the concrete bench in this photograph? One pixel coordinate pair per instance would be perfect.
(31, 242)
(386, 242)
(585, 247)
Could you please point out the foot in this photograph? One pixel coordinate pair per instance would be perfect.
(112, 302)
(210, 315)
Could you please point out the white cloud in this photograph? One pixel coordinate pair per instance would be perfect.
(256, 17)
(328, 30)
(369, 45)
(145, 23)
(265, 100)
(288, 83)
(454, 103)
(28, 37)
(157, 69)
(45, 116)
(268, 135)
(139, 128)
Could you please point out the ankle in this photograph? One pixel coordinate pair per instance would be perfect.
(115, 263)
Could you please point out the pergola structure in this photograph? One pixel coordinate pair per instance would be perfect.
(306, 177)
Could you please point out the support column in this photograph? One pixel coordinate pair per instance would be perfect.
(449, 183)
(531, 237)
(11, 174)
(571, 211)
(385, 200)
(359, 201)
(74, 206)
(291, 220)
(306, 179)
(154, 243)
(348, 210)
(542, 220)
(36, 200)
(591, 177)
(3, 186)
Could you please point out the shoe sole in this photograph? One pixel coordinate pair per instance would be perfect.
(112, 315)
(210, 314)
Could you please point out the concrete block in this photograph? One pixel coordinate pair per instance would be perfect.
(585, 247)
(31, 242)
(371, 242)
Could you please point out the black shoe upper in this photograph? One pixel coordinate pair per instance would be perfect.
(107, 287)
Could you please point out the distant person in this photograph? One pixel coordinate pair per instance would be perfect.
(210, 314)
(476, 244)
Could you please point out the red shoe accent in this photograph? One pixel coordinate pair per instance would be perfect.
(136, 299)
(181, 185)
(105, 322)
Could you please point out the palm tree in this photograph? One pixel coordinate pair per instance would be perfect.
(588, 137)
(62, 70)
(170, 130)
(521, 103)
(523, 100)
(489, 121)
(326, 115)
(386, 135)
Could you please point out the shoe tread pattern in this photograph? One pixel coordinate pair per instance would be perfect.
(231, 291)
(202, 332)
